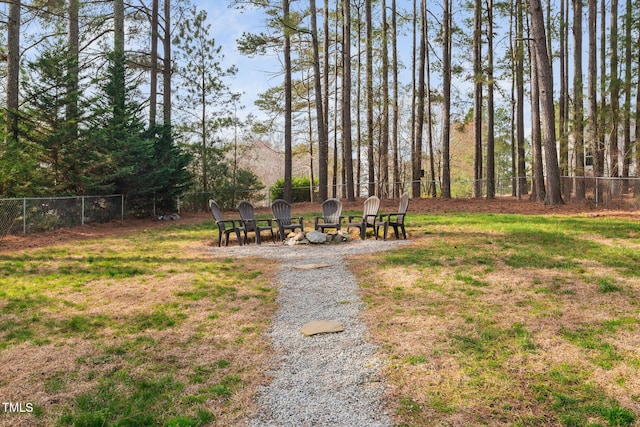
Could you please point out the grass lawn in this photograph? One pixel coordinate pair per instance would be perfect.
(509, 320)
(140, 329)
(484, 319)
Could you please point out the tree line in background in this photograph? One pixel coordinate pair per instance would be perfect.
(501, 67)
(91, 105)
(131, 98)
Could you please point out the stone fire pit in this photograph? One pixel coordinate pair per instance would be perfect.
(316, 237)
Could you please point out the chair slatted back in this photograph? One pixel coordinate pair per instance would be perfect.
(402, 209)
(246, 210)
(331, 211)
(216, 212)
(281, 210)
(371, 207)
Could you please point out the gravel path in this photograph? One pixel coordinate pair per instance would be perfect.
(327, 379)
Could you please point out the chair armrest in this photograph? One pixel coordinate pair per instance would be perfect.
(400, 215)
(351, 217)
(246, 222)
(231, 224)
(390, 216)
(368, 217)
(316, 220)
(266, 221)
(300, 219)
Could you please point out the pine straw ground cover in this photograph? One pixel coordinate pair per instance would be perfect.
(144, 328)
(491, 319)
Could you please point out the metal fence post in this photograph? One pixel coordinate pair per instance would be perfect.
(24, 216)
(122, 207)
(82, 212)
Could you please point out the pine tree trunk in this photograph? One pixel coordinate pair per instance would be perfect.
(359, 104)
(167, 69)
(491, 178)
(592, 79)
(626, 161)
(417, 154)
(520, 171)
(414, 70)
(600, 166)
(323, 142)
(547, 114)
(288, 193)
(636, 187)
(578, 102)
(477, 98)
(432, 169)
(153, 69)
(563, 102)
(336, 124)
(73, 41)
(369, 95)
(537, 187)
(384, 140)
(614, 89)
(325, 76)
(13, 71)
(346, 101)
(394, 121)
(118, 49)
(446, 93)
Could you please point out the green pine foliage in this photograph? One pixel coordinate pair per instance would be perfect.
(142, 164)
(45, 123)
(106, 149)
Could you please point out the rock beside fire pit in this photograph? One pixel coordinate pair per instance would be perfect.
(316, 237)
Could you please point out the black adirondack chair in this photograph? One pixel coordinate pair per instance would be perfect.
(368, 219)
(331, 211)
(251, 224)
(226, 226)
(282, 216)
(395, 220)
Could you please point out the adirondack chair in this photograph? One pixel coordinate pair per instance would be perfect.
(252, 224)
(226, 226)
(331, 210)
(395, 220)
(282, 216)
(368, 219)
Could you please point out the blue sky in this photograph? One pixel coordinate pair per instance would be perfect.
(227, 25)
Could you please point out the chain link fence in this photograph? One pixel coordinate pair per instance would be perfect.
(34, 215)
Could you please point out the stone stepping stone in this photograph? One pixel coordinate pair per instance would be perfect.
(321, 327)
(310, 266)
